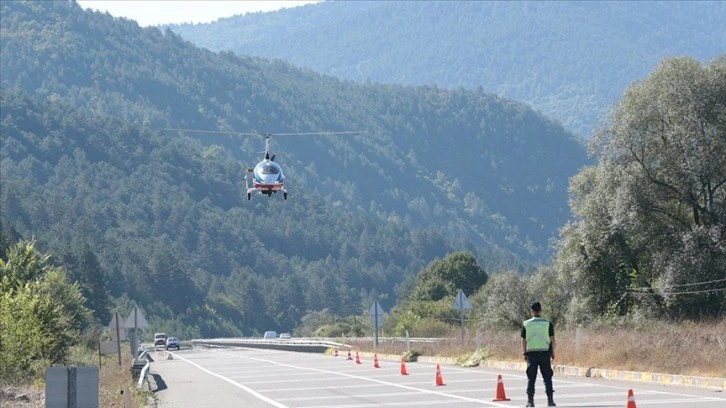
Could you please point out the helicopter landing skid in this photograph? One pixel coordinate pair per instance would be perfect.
(268, 193)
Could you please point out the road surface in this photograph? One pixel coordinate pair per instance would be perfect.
(265, 378)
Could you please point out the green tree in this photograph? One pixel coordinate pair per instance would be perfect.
(41, 314)
(83, 267)
(444, 277)
(427, 311)
(22, 265)
(21, 333)
(503, 302)
(649, 228)
(423, 318)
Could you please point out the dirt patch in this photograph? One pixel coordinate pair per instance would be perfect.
(16, 397)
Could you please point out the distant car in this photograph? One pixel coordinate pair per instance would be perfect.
(160, 340)
(285, 336)
(172, 343)
(269, 335)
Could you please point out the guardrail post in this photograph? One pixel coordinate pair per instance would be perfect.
(143, 374)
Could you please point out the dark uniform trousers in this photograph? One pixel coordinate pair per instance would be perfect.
(541, 360)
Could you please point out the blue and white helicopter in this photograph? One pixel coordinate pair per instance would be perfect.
(267, 176)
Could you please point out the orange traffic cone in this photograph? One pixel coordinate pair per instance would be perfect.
(349, 357)
(357, 358)
(500, 395)
(403, 366)
(375, 361)
(439, 380)
(631, 400)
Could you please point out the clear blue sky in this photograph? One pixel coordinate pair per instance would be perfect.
(155, 12)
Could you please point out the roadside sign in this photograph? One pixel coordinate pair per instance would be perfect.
(376, 312)
(117, 335)
(107, 347)
(71, 387)
(117, 327)
(116, 322)
(136, 319)
(134, 322)
(461, 301)
(375, 309)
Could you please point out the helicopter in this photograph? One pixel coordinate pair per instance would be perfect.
(267, 176)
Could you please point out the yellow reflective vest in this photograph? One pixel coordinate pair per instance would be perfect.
(537, 331)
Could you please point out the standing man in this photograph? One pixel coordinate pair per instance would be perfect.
(538, 347)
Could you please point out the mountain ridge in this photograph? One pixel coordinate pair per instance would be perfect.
(85, 163)
(457, 144)
(569, 60)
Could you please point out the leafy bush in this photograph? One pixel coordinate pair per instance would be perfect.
(411, 355)
(431, 328)
(474, 359)
(41, 314)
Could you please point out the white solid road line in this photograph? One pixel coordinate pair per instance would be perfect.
(606, 390)
(373, 380)
(235, 383)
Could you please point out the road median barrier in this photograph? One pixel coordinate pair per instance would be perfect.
(298, 345)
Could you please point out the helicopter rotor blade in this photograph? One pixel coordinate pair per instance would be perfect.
(266, 135)
(212, 132)
(348, 132)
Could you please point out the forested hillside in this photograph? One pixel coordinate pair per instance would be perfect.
(465, 162)
(164, 220)
(570, 60)
(88, 173)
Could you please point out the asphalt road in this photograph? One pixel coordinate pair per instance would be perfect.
(264, 378)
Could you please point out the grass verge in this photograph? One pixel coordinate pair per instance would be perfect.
(116, 388)
(684, 348)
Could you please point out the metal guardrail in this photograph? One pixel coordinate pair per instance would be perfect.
(393, 340)
(312, 345)
(303, 345)
(144, 372)
(139, 369)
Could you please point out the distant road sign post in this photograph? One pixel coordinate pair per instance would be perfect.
(136, 320)
(461, 303)
(117, 334)
(376, 312)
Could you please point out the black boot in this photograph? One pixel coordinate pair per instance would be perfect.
(530, 401)
(550, 401)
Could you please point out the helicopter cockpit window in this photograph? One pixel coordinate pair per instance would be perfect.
(270, 170)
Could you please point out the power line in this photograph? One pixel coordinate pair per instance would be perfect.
(698, 283)
(695, 291)
(692, 292)
(646, 289)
